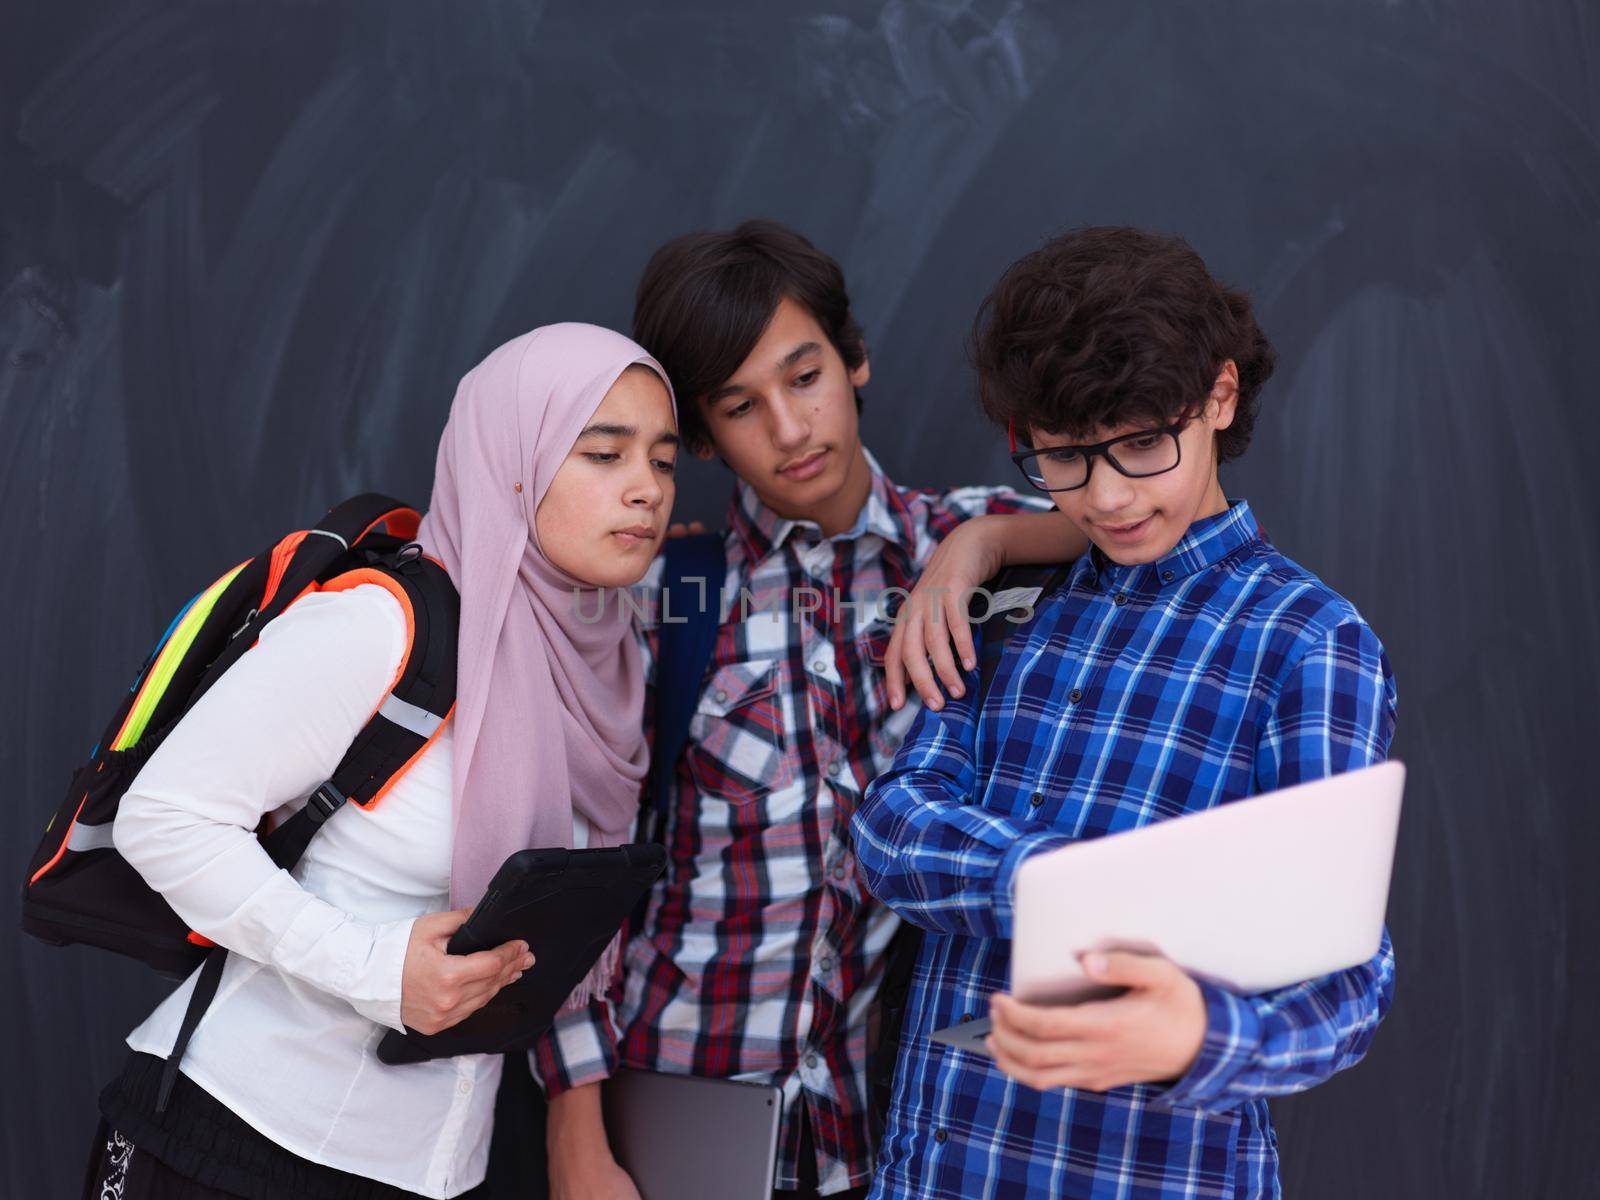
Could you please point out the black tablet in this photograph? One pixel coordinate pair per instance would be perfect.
(567, 905)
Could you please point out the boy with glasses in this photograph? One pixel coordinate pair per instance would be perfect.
(1184, 663)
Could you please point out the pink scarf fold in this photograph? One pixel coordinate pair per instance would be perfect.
(549, 707)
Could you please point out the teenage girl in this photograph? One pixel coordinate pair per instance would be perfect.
(554, 483)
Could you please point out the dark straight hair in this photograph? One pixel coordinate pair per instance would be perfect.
(705, 299)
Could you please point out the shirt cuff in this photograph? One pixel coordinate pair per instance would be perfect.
(1233, 1036)
(578, 1050)
(1005, 881)
(377, 990)
(357, 961)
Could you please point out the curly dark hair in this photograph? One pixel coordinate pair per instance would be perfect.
(1107, 326)
(705, 299)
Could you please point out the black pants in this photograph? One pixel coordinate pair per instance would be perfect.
(518, 1166)
(119, 1170)
(807, 1166)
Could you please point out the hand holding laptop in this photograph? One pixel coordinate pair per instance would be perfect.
(1254, 895)
(1152, 1032)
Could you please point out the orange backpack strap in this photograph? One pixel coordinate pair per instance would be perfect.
(295, 566)
(423, 694)
(411, 714)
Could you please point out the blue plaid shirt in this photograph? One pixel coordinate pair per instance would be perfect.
(1135, 694)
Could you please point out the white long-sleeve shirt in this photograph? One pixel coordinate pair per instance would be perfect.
(313, 978)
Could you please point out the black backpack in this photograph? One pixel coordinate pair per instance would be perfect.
(79, 890)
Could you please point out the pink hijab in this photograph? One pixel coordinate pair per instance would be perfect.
(549, 708)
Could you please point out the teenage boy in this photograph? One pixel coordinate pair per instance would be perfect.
(1184, 663)
(760, 952)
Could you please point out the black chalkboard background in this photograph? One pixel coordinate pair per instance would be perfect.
(246, 250)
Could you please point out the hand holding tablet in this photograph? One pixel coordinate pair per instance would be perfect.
(566, 905)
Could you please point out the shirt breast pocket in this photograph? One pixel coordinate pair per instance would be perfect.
(739, 748)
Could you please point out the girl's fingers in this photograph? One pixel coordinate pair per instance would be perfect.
(468, 970)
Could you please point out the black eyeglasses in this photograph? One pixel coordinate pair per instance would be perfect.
(1066, 468)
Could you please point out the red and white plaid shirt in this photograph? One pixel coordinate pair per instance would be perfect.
(761, 952)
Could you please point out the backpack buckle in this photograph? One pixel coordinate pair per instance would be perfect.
(407, 559)
(324, 802)
(248, 617)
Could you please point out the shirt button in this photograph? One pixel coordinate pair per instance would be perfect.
(966, 1016)
(1075, 695)
(1120, 598)
(722, 696)
(811, 1060)
(1036, 799)
(825, 963)
(838, 871)
(464, 1088)
(1168, 576)
(833, 768)
(819, 667)
(940, 1136)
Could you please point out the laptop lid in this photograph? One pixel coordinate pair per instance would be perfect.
(1253, 895)
(681, 1137)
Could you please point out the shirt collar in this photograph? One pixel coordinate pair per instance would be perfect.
(760, 530)
(1207, 542)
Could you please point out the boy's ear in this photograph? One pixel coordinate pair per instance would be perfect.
(862, 373)
(700, 443)
(1224, 398)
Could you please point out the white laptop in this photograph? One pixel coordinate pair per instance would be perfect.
(1252, 895)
